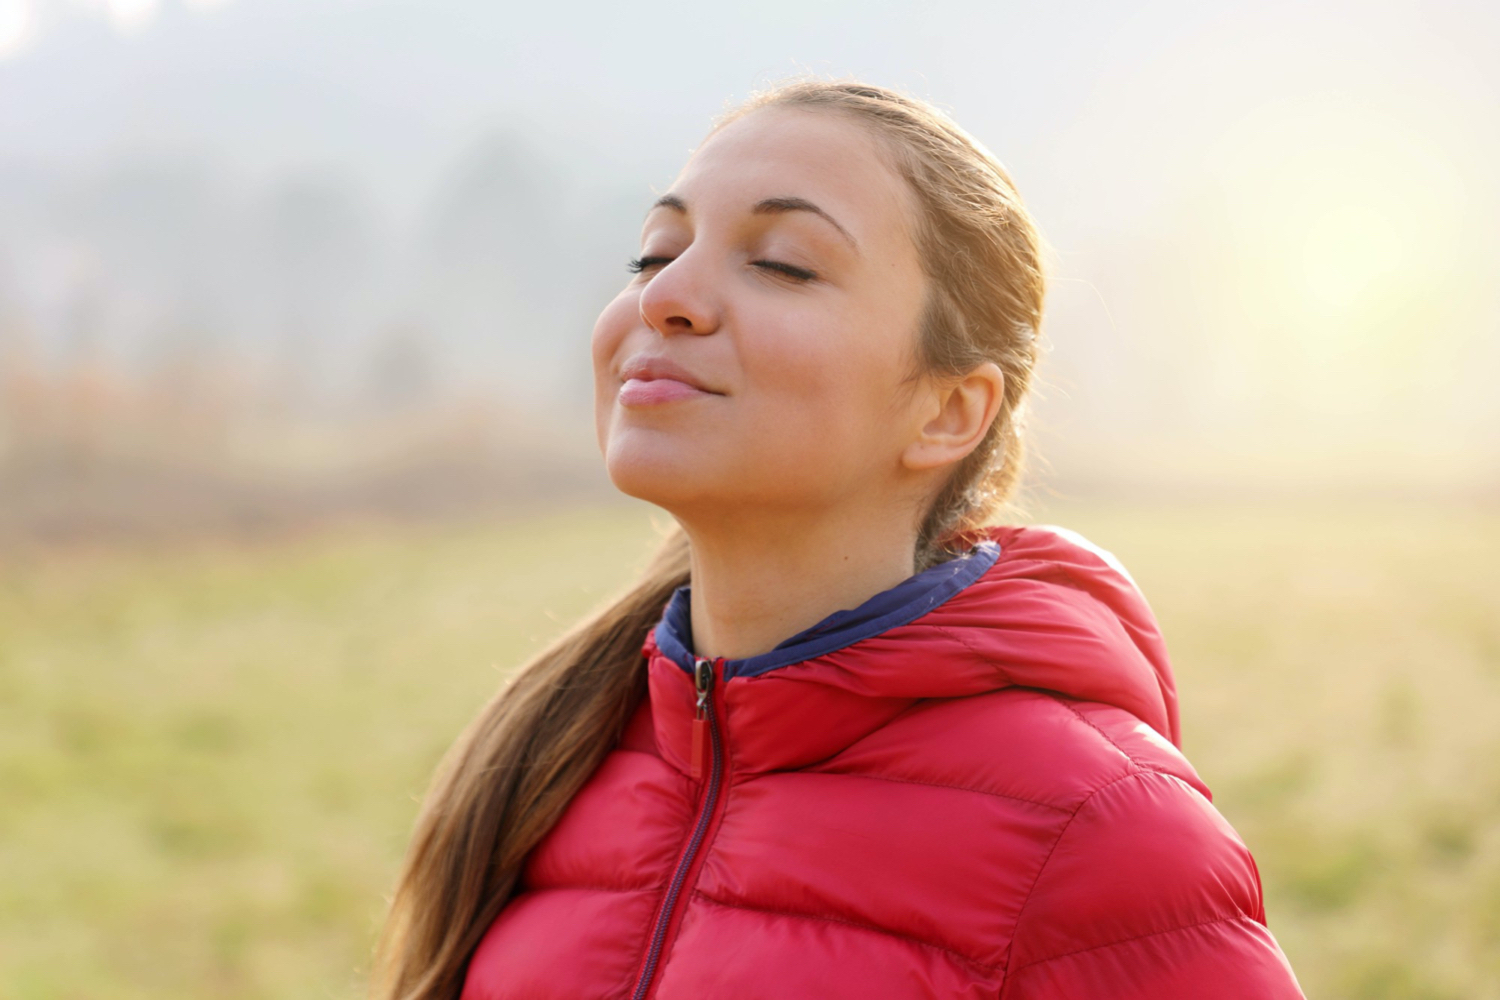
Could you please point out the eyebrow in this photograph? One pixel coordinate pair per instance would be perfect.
(766, 206)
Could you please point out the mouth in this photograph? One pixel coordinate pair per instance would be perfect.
(656, 391)
(654, 381)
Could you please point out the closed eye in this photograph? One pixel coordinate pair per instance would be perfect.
(791, 271)
(638, 264)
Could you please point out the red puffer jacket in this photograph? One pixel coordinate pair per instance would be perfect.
(968, 787)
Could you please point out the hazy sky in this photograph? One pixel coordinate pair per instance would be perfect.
(1283, 211)
(397, 89)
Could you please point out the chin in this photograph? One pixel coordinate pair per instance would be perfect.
(664, 476)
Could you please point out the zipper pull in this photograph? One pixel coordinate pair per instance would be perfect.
(703, 676)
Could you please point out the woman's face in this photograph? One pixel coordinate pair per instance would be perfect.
(758, 357)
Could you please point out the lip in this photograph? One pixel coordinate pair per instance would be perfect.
(650, 381)
(650, 368)
(638, 392)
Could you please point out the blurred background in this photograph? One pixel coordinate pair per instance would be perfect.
(296, 457)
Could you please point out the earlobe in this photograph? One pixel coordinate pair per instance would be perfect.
(965, 409)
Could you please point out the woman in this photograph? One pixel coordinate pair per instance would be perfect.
(958, 777)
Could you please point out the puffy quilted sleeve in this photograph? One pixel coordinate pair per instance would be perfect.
(1147, 893)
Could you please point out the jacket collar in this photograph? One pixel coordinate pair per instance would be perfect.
(900, 605)
(1028, 606)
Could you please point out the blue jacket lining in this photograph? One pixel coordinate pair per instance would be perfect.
(904, 603)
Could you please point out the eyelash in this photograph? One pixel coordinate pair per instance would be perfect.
(638, 264)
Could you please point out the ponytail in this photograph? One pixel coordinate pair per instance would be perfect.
(508, 779)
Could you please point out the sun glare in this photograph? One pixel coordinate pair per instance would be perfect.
(15, 19)
(132, 15)
(1336, 218)
(1347, 251)
(20, 27)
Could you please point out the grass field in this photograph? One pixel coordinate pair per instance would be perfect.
(210, 757)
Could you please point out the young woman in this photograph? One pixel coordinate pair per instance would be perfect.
(840, 740)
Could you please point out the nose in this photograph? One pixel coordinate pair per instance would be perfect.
(680, 298)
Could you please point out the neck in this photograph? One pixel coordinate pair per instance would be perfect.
(755, 584)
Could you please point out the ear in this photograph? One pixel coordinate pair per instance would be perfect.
(957, 417)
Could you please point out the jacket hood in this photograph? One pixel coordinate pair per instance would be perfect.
(1025, 607)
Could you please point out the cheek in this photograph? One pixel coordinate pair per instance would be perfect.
(610, 331)
(828, 389)
(611, 327)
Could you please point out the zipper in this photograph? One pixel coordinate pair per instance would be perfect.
(705, 737)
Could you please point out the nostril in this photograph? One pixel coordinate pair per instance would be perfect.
(680, 324)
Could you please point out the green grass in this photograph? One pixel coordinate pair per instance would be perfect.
(210, 758)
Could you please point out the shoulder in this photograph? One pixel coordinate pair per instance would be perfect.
(1023, 743)
(1135, 839)
(1141, 854)
(1122, 837)
(1146, 892)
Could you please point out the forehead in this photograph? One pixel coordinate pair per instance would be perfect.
(790, 152)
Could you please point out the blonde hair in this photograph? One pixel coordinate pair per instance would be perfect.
(514, 770)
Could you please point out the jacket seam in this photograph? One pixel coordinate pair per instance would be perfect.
(1021, 912)
(983, 657)
(1137, 937)
(812, 766)
(1105, 736)
(966, 959)
(939, 784)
